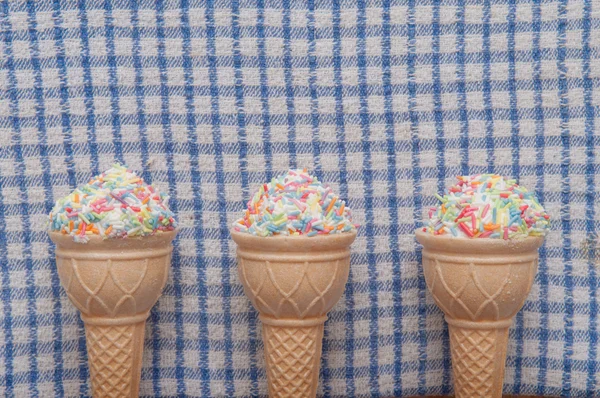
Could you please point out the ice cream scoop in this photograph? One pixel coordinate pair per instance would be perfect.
(114, 204)
(488, 206)
(295, 203)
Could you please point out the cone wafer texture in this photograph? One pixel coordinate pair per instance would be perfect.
(293, 281)
(480, 284)
(114, 283)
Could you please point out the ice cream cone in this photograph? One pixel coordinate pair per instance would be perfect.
(480, 285)
(114, 283)
(293, 281)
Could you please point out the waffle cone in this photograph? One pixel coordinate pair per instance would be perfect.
(480, 285)
(114, 283)
(293, 281)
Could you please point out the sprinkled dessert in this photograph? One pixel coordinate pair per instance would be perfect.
(293, 252)
(295, 203)
(481, 284)
(488, 206)
(112, 281)
(114, 204)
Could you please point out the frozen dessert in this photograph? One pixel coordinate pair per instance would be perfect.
(480, 284)
(488, 206)
(293, 250)
(116, 277)
(114, 204)
(295, 203)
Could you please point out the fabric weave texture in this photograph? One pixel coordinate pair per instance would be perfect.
(387, 100)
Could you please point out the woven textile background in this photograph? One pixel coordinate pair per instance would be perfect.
(386, 100)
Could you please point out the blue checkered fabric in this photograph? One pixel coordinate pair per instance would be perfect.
(387, 100)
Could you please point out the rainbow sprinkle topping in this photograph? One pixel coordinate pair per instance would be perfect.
(488, 206)
(295, 203)
(114, 204)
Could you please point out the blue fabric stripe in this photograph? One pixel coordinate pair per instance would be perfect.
(289, 87)
(49, 202)
(343, 178)
(264, 89)
(7, 349)
(515, 171)
(539, 172)
(220, 180)
(313, 87)
(239, 98)
(392, 192)
(368, 195)
(329, 118)
(89, 93)
(23, 208)
(317, 168)
(565, 199)
(512, 91)
(462, 95)
(437, 99)
(425, 57)
(487, 90)
(352, 90)
(8, 346)
(174, 205)
(243, 164)
(64, 93)
(113, 81)
(417, 189)
(440, 162)
(139, 89)
(199, 236)
(590, 195)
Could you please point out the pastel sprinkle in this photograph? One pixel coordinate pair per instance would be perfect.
(488, 206)
(114, 204)
(295, 203)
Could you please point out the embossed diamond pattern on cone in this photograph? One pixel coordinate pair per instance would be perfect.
(293, 282)
(288, 296)
(480, 285)
(114, 284)
(126, 277)
(450, 292)
(111, 349)
(473, 353)
(472, 283)
(292, 355)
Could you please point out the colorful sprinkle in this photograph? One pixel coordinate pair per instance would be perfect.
(114, 204)
(295, 203)
(488, 206)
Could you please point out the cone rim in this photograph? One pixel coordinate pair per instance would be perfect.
(484, 246)
(295, 243)
(98, 243)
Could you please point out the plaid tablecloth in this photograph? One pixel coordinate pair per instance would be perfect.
(386, 100)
